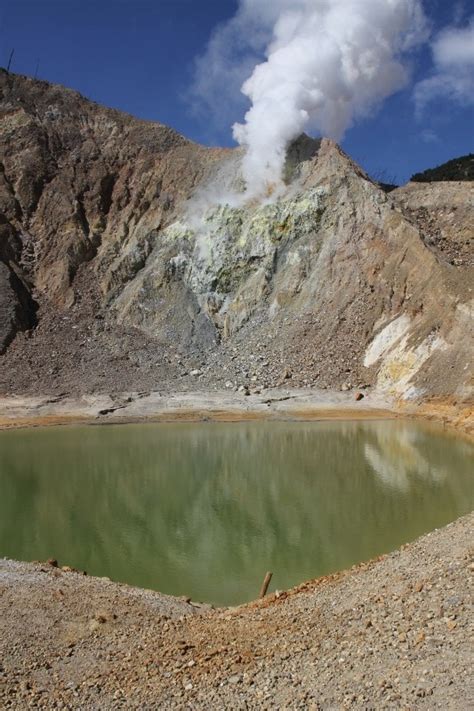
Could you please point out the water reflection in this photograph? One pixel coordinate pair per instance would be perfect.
(206, 509)
(400, 454)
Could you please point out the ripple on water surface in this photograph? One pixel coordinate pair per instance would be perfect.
(206, 509)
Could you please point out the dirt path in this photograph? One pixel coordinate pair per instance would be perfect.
(394, 633)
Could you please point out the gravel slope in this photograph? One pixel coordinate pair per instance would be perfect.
(393, 633)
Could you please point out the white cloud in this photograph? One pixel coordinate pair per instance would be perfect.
(235, 47)
(459, 11)
(429, 136)
(453, 74)
(455, 46)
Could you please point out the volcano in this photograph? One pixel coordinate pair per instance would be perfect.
(124, 264)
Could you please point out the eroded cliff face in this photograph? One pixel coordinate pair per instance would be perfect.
(137, 276)
(77, 179)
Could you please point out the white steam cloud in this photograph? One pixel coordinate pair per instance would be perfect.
(328, 62)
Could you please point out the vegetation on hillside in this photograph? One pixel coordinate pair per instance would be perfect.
(457, 169)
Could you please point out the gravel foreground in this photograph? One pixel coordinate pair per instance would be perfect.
(394, 633)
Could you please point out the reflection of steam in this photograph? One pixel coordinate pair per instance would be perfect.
(396, 458)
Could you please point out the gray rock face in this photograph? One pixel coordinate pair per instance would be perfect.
(147, 265)
(16, 306)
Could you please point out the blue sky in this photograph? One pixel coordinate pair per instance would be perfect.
(138, 56)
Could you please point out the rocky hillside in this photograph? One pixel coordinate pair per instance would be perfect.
(124, 267)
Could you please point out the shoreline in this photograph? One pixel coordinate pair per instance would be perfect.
(390, 632)
(220, 406)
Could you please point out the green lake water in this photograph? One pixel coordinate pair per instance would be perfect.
(206, 509)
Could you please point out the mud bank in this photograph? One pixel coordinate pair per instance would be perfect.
(191, 406)
(224, 406)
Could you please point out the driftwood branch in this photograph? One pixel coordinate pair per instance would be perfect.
(265, 584)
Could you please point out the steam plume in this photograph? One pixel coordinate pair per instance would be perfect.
(328, 62)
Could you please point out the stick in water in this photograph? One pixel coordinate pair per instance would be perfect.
(266, 583)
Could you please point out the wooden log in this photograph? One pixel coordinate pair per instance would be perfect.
(265, 584)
